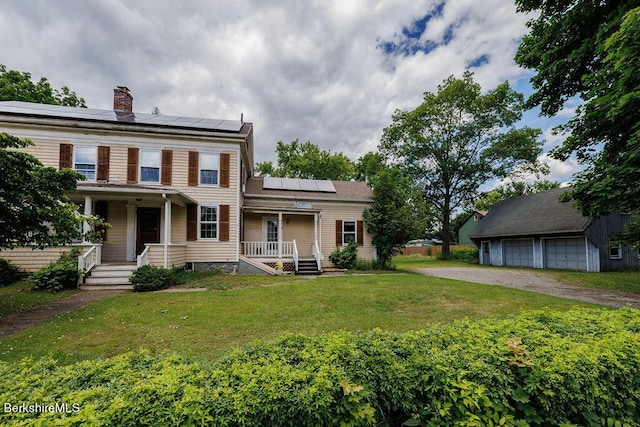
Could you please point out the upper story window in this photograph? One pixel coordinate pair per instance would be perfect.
(150, 161)
(85, 161)
(209, 167)
(348, 232)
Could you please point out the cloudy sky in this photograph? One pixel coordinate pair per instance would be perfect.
(329, 72)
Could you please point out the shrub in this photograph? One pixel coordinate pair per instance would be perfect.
(345, 257)
(470, 255)
(61, 274)
(9, 273)
(369, 265)
(150, 278)
(580, 367)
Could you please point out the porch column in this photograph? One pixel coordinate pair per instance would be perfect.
(315, 229)
(167, 228)
(87, 212)
(279, 234)
(131, 232)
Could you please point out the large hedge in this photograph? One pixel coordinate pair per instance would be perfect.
(539, 368)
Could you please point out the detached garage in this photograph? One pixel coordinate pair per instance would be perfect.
(538, 231)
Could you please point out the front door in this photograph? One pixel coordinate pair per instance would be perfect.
(148, 228)
(270, 231)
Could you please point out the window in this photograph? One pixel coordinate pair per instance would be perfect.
(208, 222)
(348, 232)
(209, 166)
(85, 161)
(615, 252)
(150, 166)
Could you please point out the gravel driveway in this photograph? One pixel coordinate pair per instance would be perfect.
(534, 281)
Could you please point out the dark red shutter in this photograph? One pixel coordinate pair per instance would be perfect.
(225, 161)
(338, 232)
(223, 222)
(66, 156)
(167, 166)
(103, 163)
(192, 222)
(360, 233)
(132, 165)
(193, 168)
(102, 210)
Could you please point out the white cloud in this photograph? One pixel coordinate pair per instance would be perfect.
(307, 70)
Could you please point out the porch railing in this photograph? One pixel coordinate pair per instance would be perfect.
(295, 255)
(88, 260)
(268, 249)
(317, 255)
(143, 258)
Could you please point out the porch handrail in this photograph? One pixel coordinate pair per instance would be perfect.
(88, 260)
(268, 249)
(295, 255)
(143, 258)
(317, 255)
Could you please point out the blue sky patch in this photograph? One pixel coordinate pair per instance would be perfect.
(479, 61)
(408, 43)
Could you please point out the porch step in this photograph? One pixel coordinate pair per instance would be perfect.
(307, 266)
(108, 276)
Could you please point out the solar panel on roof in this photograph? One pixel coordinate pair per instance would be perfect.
(295, 184)
(58, 111)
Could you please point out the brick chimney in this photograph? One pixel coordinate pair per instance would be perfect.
(122, 99)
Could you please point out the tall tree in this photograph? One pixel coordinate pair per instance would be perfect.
(369, 165)
(34, 207)
(512, 189)
(591, 50)
(17, 86)
(397, 215)
(307, 161)
(458, 139)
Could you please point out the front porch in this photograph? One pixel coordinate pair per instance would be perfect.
(287, 238)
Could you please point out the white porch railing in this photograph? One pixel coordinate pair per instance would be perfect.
(295, 255)
(317, 255)
(268, 249)
(143, 258)
(88, 260)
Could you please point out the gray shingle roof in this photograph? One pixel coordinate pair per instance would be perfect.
(535, 214)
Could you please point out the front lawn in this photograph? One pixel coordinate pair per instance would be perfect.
(19, 297)
(205, 324)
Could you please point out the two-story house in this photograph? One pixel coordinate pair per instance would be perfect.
(174, 190)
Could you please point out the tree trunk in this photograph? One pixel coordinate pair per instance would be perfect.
(446, 238)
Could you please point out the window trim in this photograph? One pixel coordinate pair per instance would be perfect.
(200, 169)
(95, 161)
(354, 232)
(140, 165)
(619, 250)
(217, 222)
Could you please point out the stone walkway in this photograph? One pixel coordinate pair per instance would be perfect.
(534, 281)
(15, 322)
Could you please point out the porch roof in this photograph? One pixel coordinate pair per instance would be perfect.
(132, 190)
(284, 211)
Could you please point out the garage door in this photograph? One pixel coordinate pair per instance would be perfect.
(569, 254)
(518, 253)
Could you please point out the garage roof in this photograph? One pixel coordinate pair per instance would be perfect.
(534, 214)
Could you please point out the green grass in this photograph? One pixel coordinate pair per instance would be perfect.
(628, 281)
(19, 297)
(205, 324)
